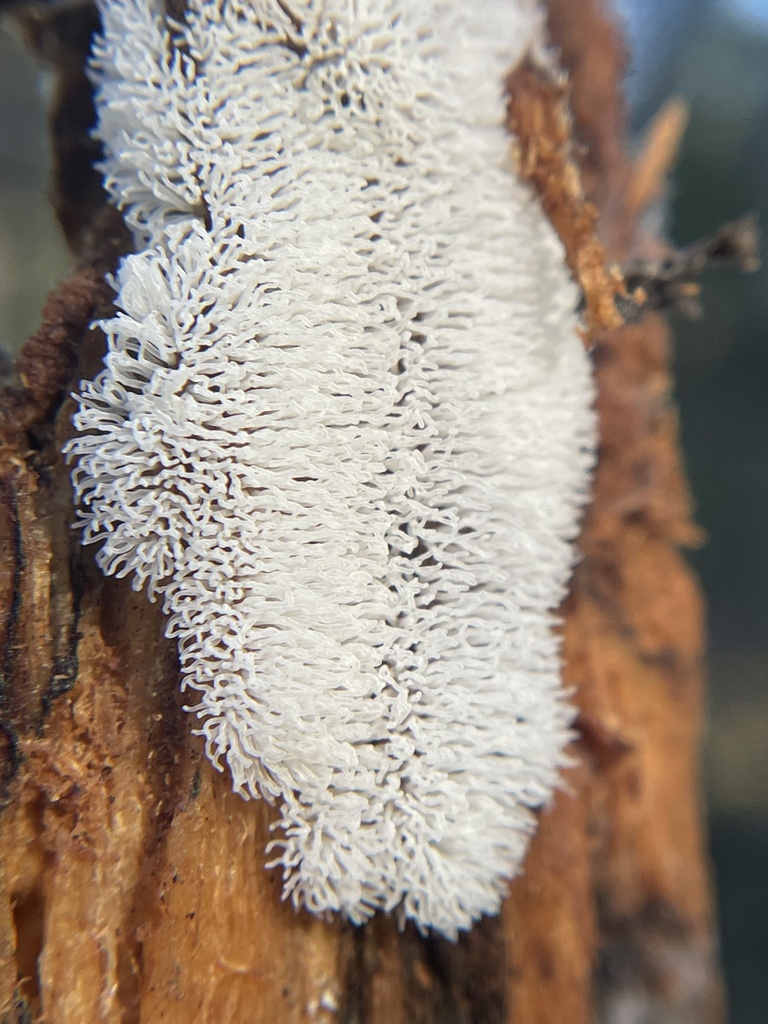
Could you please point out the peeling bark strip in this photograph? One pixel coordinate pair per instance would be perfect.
(117, 832)
(539, 118)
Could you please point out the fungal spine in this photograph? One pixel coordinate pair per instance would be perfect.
(344, 427)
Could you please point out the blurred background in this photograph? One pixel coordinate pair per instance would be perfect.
(33, 256)
(714, 54)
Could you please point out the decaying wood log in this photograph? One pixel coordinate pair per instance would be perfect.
(132, 885)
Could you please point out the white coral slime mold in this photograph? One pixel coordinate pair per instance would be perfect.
(344, 427)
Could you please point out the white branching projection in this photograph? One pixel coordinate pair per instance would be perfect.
(344, 427)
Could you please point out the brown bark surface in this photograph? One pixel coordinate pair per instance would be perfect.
(132, 881)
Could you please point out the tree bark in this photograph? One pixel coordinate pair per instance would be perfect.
(132, 881)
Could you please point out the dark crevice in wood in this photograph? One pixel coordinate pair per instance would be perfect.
(29, 924)
(354, 1007)
(14, 666)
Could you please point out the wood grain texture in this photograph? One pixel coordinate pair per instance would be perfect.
(132, 882)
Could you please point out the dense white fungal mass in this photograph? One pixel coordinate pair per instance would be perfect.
(344, 427)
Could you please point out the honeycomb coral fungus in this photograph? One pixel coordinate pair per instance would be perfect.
(344, 428)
